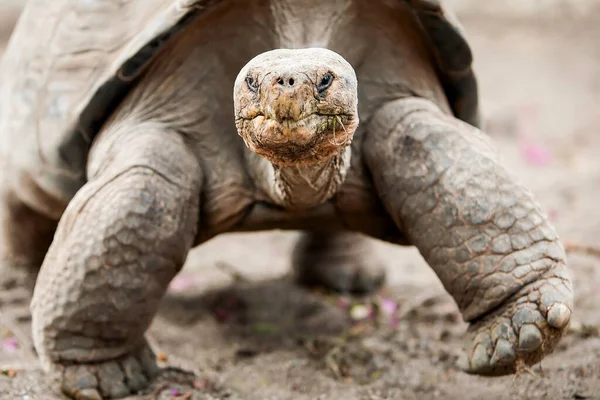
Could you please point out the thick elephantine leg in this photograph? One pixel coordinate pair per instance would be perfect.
(342, 261)
(121, 240)
(483, 234)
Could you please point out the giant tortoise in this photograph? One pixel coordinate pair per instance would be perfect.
(132, 131)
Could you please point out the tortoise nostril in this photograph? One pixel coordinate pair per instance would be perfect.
(286, 81)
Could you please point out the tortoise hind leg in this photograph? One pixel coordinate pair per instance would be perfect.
(121, 240)
(24, 240)
(25, 235)
(341, 261)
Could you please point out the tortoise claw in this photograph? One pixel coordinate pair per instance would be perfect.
(521, 333)
(113, 379)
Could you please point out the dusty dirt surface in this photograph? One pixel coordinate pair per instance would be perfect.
(234, 318)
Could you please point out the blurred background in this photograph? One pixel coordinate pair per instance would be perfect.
(538, 64)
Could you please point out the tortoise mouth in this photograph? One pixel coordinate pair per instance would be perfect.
(308, 140)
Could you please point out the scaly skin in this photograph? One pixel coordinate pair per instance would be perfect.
(122, 239)
(483, 234)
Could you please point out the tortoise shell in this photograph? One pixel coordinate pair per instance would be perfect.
(69, 63)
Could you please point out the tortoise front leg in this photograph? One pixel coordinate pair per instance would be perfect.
(121, 240)
(483, 234)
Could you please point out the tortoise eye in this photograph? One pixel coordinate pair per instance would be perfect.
(251, 83)
(325, 82)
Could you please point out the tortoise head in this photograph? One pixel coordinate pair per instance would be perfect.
(296, 107)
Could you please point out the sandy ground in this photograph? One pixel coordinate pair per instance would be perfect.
(234, 318)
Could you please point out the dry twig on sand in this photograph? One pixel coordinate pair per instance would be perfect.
(571, 247)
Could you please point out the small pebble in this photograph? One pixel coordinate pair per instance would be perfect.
(359, 312)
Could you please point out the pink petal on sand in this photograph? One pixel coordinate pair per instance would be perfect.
(535, 153)
(388, 306)
(184, 282)
(343, 303)
(174, 392)
(10, 345)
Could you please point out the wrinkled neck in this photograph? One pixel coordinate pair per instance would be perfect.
(299, 187)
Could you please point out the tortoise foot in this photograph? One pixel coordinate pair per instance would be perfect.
(520, 333)
(16, 291)
(114, 379)
(342, 262)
